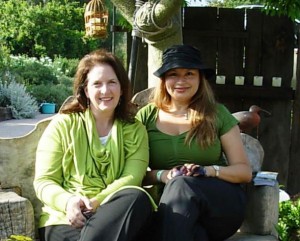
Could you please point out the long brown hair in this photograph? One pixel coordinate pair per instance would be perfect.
(125, 109)
(202, 111)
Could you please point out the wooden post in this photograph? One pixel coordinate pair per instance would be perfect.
(294, 165)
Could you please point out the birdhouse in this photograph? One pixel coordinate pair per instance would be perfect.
(96, 19)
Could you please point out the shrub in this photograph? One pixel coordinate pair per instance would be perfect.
(22, 104)
(46, 80)
(65, 66)
(51, 94)
(4, 55)
(33, 29)
(33, 71)
(288, 227)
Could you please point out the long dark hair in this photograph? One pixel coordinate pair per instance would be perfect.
(202, 111)
(125, 110)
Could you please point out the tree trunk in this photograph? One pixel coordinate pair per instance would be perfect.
(158, 23)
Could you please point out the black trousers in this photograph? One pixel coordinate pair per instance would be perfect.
(199, 209)
(123, 218)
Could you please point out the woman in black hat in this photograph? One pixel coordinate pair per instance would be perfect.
(201, 196)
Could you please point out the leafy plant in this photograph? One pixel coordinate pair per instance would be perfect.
(4, 55)
(51, 93)
(33, 71)
(65, 66)
(22, 104)
(45, 79)
(288, 227)
(34, 28)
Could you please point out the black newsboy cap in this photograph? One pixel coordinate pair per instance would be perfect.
(183, 56)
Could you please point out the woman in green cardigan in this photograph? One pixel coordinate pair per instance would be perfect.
(92, 158)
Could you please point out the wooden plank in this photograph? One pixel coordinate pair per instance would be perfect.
(207, 21)
(278, 49)
(267, 46)
(245, 92)
(200, 18)
(275, 137)
(230, 50)
(272, 132)
(294, 164)
(207, 46)
(141, 74)
(219, 34)
(253, 46)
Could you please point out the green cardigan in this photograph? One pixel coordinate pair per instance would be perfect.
(70, 157)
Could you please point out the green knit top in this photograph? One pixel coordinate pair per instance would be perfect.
(167, 151)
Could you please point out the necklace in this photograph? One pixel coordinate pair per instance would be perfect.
(185, 115)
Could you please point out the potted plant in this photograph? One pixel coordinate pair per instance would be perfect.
(47, 108)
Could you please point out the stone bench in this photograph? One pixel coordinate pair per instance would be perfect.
(17, 161)
(261, 214)
(262, 207)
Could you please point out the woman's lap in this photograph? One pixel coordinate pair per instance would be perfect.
(190, 204)
(120, 218)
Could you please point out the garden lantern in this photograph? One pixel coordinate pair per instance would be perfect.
(96, 19)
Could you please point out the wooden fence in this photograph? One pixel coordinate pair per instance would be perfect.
(253, 55)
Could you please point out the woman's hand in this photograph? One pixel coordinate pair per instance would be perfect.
(75, 208)
(188, 169)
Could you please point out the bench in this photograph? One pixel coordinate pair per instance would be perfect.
(262, 207)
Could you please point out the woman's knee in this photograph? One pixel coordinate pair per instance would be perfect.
(180, 188)
(178, 181)
(180, 184)
(137, 197)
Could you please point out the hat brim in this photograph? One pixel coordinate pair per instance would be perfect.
(208, 72)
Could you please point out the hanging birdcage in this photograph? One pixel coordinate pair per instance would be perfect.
(96, 19)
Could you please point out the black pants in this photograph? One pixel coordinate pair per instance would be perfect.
(123, 218)
(199, 209)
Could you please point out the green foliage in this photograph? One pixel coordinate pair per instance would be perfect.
(53, 28)
(51, 94)
(285, 8)
(288, 227)
(65, 66)
(32, 71)
(289, 8)
(22, 104)
(230, 3)
(4, 55)
(45, 79)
